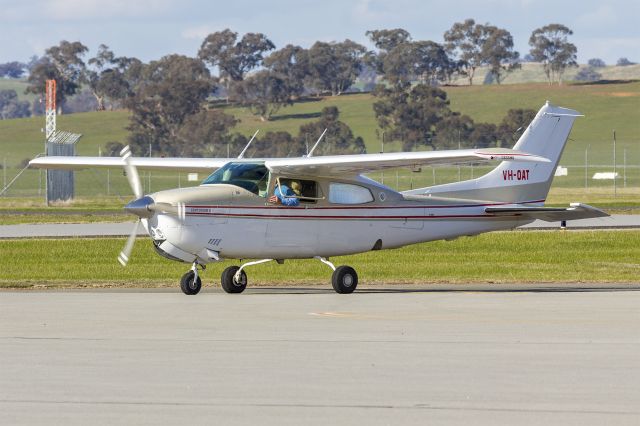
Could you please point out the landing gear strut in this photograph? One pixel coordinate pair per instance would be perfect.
(344, 279)
(190, 283)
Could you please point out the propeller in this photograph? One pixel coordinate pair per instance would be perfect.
(143, 206)
(123, 258)
(131, 172)
(136, 187)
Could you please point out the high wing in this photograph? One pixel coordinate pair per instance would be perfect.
(550, 214)
(339, 165)
(331, 165)
(205, 165)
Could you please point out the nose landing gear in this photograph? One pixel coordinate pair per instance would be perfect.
(190, 283)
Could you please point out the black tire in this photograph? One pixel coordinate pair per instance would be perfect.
(189, 285)
(344, 279)
(229, 284)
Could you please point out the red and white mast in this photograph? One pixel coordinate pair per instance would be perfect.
(50, 110)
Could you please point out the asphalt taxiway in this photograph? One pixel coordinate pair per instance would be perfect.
(521, 354)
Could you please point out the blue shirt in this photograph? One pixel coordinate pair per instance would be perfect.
(288, 192)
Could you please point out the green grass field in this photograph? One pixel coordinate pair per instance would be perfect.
(606, 107)
(47, 217)
(19, 86)
(502, 257)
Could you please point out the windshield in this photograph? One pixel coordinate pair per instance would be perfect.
(250, 176)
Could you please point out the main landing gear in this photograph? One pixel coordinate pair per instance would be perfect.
(234, 280)
(344, 279)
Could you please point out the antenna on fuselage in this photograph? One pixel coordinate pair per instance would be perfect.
(317, 142)
(248, 143)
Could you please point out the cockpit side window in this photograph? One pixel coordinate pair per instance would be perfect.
(253, 177)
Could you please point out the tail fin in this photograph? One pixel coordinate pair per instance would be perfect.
(516, 182)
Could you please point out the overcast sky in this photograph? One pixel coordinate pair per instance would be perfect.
(150, 29)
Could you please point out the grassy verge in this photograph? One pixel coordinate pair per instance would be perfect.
(624, 201)
(36, 218)
(85, 204)
(27, 210)
(505, 257)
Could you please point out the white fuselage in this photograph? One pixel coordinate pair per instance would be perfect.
(238, 226)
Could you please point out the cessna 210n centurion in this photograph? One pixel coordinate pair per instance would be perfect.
(246, 209)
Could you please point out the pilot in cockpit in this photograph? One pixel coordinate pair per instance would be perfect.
(285, 195)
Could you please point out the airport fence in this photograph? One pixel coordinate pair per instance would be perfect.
(594, 171)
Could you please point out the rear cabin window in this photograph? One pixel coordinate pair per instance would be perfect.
(345, 193)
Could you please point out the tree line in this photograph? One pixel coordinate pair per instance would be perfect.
(172, 99)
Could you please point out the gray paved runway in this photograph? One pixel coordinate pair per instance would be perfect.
(123, 229)
(309, 356)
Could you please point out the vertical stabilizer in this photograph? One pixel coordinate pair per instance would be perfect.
(516, 182)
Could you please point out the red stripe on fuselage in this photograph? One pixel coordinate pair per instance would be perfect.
(359, 207)
(292, 216)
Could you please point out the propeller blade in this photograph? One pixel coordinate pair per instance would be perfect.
(132, 172)
(123, 258)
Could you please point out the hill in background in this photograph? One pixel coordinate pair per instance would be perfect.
(532, 72)
(606, 107)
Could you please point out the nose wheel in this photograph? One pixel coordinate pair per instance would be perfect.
(190, 283)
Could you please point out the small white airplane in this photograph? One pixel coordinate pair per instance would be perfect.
(337, 210)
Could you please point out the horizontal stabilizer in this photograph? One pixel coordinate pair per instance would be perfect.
(550, 214)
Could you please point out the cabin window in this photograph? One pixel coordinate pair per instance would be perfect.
(346, 193)
(251, 176)
(308, 191)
